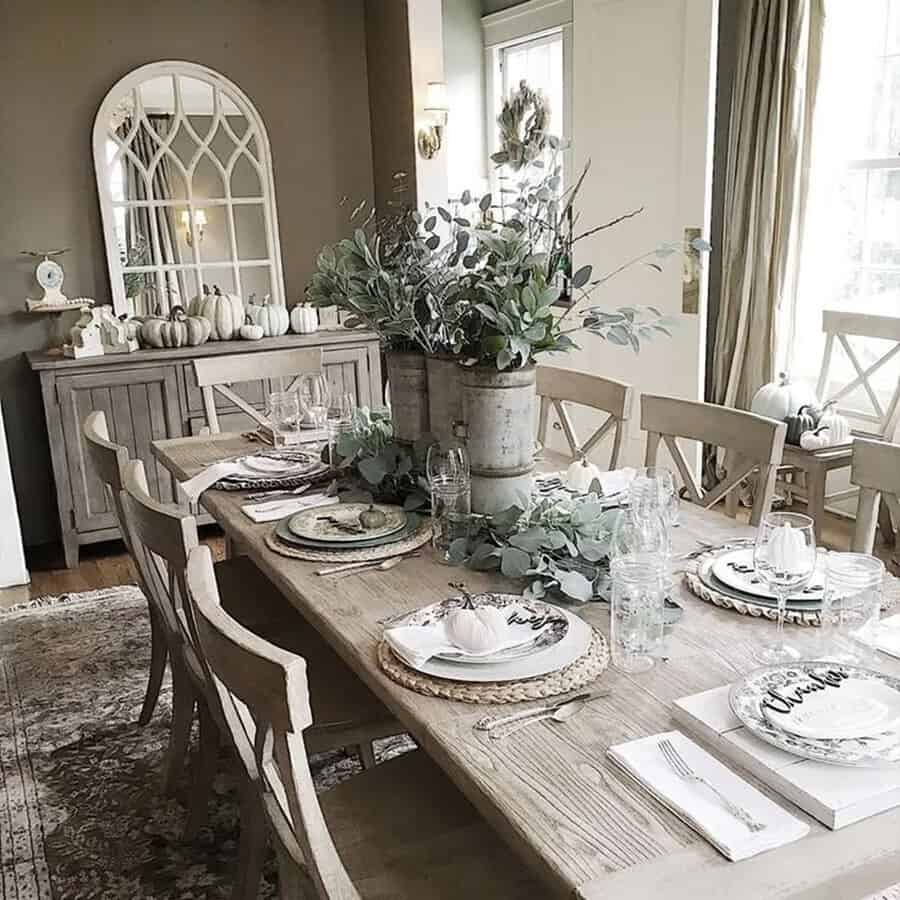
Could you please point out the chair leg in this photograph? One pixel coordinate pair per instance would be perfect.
(158, 654)
(252, 848)
(366, 754)
(204, 773)
(183, 699)
(815, 499)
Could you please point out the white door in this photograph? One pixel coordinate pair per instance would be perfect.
(644, 82)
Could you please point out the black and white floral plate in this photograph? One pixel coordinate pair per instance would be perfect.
(767, 690)
(735, 568)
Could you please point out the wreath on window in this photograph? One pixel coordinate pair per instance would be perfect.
(521, 145)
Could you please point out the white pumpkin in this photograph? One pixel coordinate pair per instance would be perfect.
(196, 303)
(781, 398)
(225, 312)
(815, 440)
(273, 317)
(304, 319)
(581, 474)
(476, 630)
(250, 331)
(838, 426)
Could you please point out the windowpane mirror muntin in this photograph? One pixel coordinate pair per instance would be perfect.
(184, 175)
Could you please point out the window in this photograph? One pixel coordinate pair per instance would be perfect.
(851, 244)
(538, 61)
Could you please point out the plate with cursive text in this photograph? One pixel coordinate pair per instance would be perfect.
(824, 711)
(735, 568)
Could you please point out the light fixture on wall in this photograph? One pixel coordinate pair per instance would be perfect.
(431, 137)
(199, 223)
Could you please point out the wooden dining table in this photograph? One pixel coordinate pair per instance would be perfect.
(584, 827)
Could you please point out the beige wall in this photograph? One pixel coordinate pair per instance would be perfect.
(302, 62)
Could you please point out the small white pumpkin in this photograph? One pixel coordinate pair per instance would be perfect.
(250, 331)
(476, 630)
(781, 398)
(787, 549)
(304, 319)
(838, 426)
(225, 312)
(273, 317)
(581, 474)
(815, 440)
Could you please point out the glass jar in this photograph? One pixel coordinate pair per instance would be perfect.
(851, 607)
(639, 585)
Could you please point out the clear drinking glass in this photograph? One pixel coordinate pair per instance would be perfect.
(283, 413)
(340, 421)
(639, 532)
(449, 478)
(785, 558)
(851, 608)
(315, 397)
(639, 584)
(652, 491)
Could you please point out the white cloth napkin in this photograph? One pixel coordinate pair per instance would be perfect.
(697, 805)
(416, 644)
(887, 636)
(191, 489)
(616, 481)
(273, 510)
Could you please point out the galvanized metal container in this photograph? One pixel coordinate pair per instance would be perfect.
(499, 416)
(445, 399)
(408, 383)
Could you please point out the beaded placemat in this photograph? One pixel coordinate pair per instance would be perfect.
(587, 668)
(420, 537)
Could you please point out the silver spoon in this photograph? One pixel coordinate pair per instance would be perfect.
(560, 714)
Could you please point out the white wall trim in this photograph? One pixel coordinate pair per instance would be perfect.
(525, 19)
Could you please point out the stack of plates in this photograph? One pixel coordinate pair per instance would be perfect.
(552, 639)
(274, 468)
(732, 574)
(339, 528)
(822, 711)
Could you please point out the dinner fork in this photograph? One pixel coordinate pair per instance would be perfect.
(678, 765)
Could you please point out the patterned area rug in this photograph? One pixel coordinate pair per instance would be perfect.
(82, 814)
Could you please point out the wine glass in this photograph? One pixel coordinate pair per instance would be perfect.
(785, 558)
(315, 397)
(652, 491)
(449, 478)
(341, 413)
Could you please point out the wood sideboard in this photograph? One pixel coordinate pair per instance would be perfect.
(153, 394)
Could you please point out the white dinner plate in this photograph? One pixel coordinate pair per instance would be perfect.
(852, 708)
(265, 465)
(735, 568)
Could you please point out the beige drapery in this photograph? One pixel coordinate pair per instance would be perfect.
(773, 98)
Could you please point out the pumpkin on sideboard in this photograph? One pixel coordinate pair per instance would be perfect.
(178, 330)
(250, 331)
(273, 317)
(304, 319)
(224, 312)
(781, 398)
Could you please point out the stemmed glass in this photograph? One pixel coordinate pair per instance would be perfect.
(315, 397)
(785, 558)
(653, 510)
(340, 421)
(449, 478)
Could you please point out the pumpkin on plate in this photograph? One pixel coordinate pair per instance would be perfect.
(224, 312)
(178, 330)
(273, 317)
(781, 398)
(581, 474)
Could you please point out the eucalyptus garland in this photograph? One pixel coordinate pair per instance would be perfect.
(518, 148)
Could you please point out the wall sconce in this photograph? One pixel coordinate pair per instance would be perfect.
(199, 223)
(430, 138)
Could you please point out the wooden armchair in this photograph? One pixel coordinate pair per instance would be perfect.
(875, 470)
(752, 444)
(556, 387)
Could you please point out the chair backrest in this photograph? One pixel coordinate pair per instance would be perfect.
(750, 442)
(217, 374)
(109, 460)
(556, 387)
(839, 327)
(262, 684)
(875, 469)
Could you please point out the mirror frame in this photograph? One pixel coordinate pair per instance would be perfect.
(100, 135)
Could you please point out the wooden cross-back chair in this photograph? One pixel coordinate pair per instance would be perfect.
(875, 470)
(398, 830)
(556, 387)
(750, 443)
(217, 374)
(109, 460)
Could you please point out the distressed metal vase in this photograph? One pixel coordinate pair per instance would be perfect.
(408, 382)
(445, 400)
(498, 410)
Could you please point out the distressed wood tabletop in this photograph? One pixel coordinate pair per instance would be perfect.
(582, 825)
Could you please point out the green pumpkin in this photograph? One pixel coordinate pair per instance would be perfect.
(802, 421)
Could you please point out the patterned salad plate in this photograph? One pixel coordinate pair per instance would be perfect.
(735, 569)
(284, 533)
(706, 572)
(341, 523)
(831, 713)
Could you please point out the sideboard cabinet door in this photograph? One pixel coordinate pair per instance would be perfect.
(141, 405)
(347, 371)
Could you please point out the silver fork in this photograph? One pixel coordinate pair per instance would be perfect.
(678, 765)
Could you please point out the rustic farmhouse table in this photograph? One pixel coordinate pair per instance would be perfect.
(550, 791)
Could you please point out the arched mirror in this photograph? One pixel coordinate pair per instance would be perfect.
(184, 174)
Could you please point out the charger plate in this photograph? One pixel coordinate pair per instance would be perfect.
(317, 525)
(584, 670)
(283, 531)
(418, 538)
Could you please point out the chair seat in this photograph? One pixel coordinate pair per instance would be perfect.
(339, 699)
(402, 829)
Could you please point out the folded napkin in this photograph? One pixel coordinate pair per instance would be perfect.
(191, 489)
(273, 510)
(697, 805)
(616, 481)
(887, 636)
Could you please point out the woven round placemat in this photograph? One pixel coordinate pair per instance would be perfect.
(587, 668)
(421, 536)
